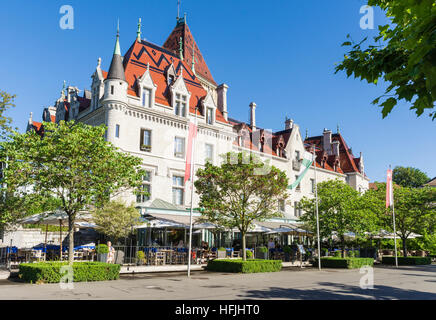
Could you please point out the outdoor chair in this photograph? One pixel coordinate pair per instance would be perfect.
(160, 258)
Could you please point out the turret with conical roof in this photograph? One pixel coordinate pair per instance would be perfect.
(115, 94)
(116, 70)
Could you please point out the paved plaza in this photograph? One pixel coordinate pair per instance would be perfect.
(411, 282)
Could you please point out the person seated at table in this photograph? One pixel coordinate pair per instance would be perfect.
(204, 245)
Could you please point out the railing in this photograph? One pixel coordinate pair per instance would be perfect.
(154, 256)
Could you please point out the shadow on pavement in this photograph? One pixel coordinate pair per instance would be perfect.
(335, 291)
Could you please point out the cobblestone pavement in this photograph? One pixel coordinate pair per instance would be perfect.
(411, 282)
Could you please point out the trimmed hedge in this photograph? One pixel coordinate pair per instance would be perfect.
(49, 272)
(406, 261)
(239, 266)
(348, 263)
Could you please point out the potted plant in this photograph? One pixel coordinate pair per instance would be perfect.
(287, 251)
(262, 253)
(140, 258)
(145, 147)
(102, 252)
(222, 252)
(249, 254)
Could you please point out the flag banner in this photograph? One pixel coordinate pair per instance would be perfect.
(189, 155)
(306, 162)
(389, 189)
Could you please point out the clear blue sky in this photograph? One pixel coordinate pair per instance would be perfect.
(280, 54)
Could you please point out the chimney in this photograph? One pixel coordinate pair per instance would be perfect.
(361, 165)
(327, 141)
(289, 124)
(253, 116)
(222, 99)
(336, 148)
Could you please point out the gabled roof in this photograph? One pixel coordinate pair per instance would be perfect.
(159, 59)
(188, 43)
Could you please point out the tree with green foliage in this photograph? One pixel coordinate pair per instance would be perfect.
(415, 211)
(115, 219)
(341, 209)
(6, 102)
(403, 55)
(72, 162)
(409, 177)
(243, 189)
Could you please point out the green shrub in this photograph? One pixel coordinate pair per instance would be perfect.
(338, 254)
(49, 272)
(239, 266)
(262, 249)
(140, 255)
(222, 249)
(249, 254)
(353, 254)
(102, 248)
(348, 263)
(406, 261)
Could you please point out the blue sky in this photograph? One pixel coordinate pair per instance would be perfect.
(280, 54)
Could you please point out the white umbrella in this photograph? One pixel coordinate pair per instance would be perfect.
(259, 228)
(205, 225)
(281, 230)
(159, 223)
(57, 217)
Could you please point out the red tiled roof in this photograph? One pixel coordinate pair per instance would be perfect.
(348, 162)
(83, 103)
(135, 64)
(172, 44)
(37, 125)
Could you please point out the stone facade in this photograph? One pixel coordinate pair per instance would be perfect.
(147, 114)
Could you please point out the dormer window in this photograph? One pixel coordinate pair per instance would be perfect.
(170, 80)
(209, 115)
(180, 105)
(146, 97)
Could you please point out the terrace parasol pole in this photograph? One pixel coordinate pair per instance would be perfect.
(317, 215)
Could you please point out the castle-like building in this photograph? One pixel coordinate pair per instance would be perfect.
(146, 98)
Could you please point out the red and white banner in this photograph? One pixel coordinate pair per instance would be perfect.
(189, 155)
(389, 189)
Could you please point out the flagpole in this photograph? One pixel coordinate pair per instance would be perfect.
(393, 216)
(192, 200)
(316, 208)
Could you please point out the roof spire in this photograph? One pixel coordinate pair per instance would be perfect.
(181, 48)
(337, 128)
(138, 32)
(63, 90)
(307, 134)
(116, 70)
(117, 49)
(178, 10)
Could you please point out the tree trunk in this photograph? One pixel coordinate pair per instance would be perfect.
(343, 246)
(71, 240)
(244, 252)
(404, 247)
